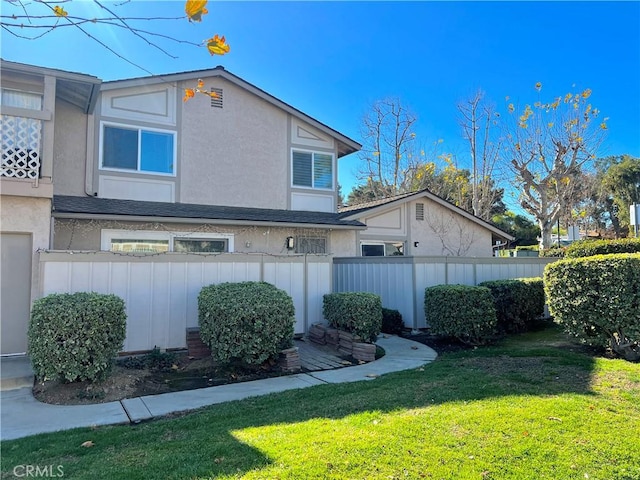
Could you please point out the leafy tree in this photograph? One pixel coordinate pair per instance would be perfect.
(622, 179)
(524, 230)
(372, 190)
(547, 145)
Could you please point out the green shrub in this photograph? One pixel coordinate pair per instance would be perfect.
(76, 336)
(597, 300)
(518, 303)
(392, 321)
(357, 312)
(589, 248)
(554, 252)
(248, 322)
(460, 311)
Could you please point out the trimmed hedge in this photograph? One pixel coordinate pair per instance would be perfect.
(589, 248)
(391, 321)
(250, 322)
(553, 252)
(359, 313)
(597, 300)
(460, 311)
(76, 336)
(519, 303)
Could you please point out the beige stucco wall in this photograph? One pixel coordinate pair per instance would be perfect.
(28, 215)
(443, 232)
(235, 155)
(86, 235)
(69, 150)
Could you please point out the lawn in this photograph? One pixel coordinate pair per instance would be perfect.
(532, 407)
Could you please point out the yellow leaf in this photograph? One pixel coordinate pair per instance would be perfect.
(376, 154)
(586, 93)
(188, 94)
(200, 83)
(88, 444)
(603, 126)
(550, 124)
(195, 9)
(538, 86)
(59, 11)
(217, 45)
(511, 108)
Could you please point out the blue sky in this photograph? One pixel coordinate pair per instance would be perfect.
(333, 59)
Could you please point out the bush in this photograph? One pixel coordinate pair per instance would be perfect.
(518, 303)
(597, 300)
(391, 321)
(248, 321)
(359, 313)
(76, 336)
(589, 248)
(555, 252)
(460, 311)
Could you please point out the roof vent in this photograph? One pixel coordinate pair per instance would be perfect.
(216, 101)
(419, 211)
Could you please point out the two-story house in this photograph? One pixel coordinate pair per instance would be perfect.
(238, 172)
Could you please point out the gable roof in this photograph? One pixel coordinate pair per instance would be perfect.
(65, 206)
(355, 212)
(78, 89)
(346, 145)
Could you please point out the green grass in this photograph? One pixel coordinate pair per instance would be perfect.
(532, 407)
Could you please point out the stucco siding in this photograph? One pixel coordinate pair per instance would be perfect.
(235, 155)
(69, 150)
(86, 235)
(27, 215)
(443, 232)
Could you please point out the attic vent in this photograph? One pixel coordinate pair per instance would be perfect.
(419, 211)
(217, 100)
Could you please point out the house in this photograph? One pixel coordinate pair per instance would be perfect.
(44, 115)
(421, 224)
(127, 166)
(238, 172)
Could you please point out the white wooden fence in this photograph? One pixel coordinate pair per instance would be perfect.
(161, 291)
(401, 281)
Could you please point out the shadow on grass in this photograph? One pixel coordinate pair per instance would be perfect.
(201, 445)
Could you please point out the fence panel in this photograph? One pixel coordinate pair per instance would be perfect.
(161, 291)
(401, 281)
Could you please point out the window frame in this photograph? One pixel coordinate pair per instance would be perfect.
(139, 129)
(313, 154)
(380, 244)
(107, 235)
(26, 92)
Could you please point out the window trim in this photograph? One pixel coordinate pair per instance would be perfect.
(313, 153)
(139, 129)
(107, 235)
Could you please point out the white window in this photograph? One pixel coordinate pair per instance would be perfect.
(19, 99)
(141, 241)
(312, 170)
(138, 149)
(381, 249)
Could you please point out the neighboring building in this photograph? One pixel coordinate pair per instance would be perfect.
(422, 224)
(45, 116)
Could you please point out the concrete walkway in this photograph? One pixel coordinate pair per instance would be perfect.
(22, 415)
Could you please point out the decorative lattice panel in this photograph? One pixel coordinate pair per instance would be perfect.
(20, 147)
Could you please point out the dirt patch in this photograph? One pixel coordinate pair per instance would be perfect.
(150, 375)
